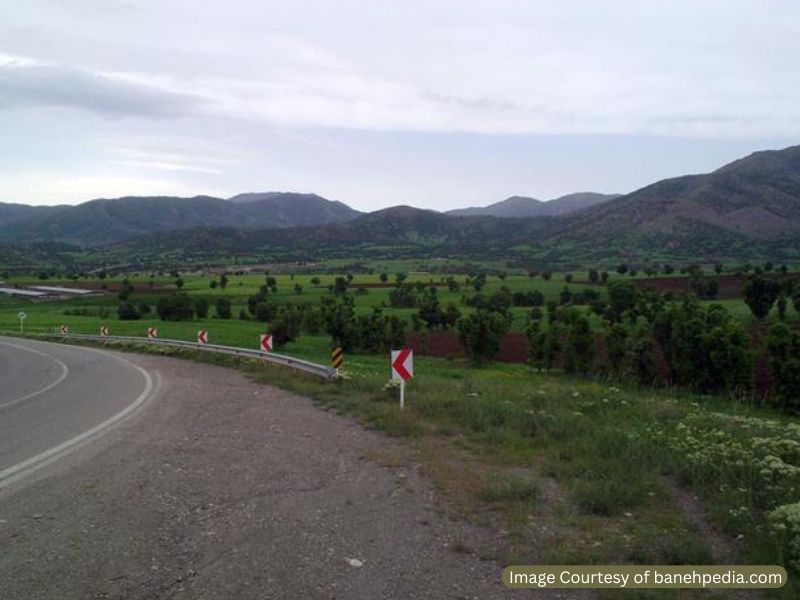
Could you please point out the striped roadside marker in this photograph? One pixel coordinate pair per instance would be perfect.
(337, 358)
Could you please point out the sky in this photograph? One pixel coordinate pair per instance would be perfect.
(431, 103)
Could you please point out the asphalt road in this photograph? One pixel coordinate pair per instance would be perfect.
(212, 487)
(53, 398)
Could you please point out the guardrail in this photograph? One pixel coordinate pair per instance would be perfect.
(306, 366)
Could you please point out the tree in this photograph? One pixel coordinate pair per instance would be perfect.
(340, 286)
(315, 280)
(285, 326)
(175, 307)
(128, 312)
(384, 277)
(223, 308)
(223, 281)
(179, 283)
(263, 312)
(594, 276)
(784, 366)
(201, 308)
(213, 284)
(481, 334)
(298, 289)
(622, 269)
(621, 297)
(760, 294)
(579, 348)
(340, 323)
(125, 290)
(568, 277)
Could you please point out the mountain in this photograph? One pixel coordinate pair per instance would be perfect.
(290, 209)
(399, 231)
(517, 207)
(15, 213)
(108, 220)
(754, 199)
(513, 207)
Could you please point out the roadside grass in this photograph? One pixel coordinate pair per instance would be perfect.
(570, 469)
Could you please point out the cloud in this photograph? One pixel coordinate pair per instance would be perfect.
(29, 84)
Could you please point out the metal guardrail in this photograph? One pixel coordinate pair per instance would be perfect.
(306, 366)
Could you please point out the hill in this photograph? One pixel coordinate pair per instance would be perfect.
(517, 207)
(11, 213)
(752, 200)
(399, 231)
(109, 220)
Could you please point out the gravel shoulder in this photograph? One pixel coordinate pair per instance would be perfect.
(222, 488)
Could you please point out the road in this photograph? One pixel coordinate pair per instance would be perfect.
(212, 487)
(53, 398)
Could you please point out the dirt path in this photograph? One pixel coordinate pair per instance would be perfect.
(222, 488)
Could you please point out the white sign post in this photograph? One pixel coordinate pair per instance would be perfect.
(22, 316)
(403, 370)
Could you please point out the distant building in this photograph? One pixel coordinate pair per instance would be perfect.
(31, 294)
(65, 291)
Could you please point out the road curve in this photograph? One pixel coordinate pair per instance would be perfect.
(225, 488)
(54, 398)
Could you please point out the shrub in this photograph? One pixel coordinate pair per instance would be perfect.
(223, 308)
(175, 307)
(784, 365)
(481, 334)
(128, 312)
(784, 524)
(201, 308)
(760, 294)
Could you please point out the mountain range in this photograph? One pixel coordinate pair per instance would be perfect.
(520, 207)
(748, 207)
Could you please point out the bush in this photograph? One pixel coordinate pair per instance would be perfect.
(263, 312)
(201, 308)
(481, 334)
(285, 327)
(784, 365)
(128, 312)
(175, 307)
(784, 524)
(223, 308)
(760, 294)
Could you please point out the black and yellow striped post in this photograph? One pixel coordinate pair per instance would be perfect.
(337, 358)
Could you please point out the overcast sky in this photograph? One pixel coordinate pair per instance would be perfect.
(433, 103)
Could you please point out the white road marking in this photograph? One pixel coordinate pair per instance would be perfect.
(64, 373)
(34, 463)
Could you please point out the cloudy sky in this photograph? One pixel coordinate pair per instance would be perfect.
(434, 103)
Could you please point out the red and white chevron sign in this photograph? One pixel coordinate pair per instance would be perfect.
(64, 330)
(152, 332)
(202, 337)
(402, 364)
(104, 330)
(266, 342)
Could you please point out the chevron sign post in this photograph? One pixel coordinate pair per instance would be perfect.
(403, 370)
(266, 342)
(202, 337)
(64, 330)
(152, 332)
(104, 330)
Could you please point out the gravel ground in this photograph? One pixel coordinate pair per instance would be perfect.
(224, 489)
